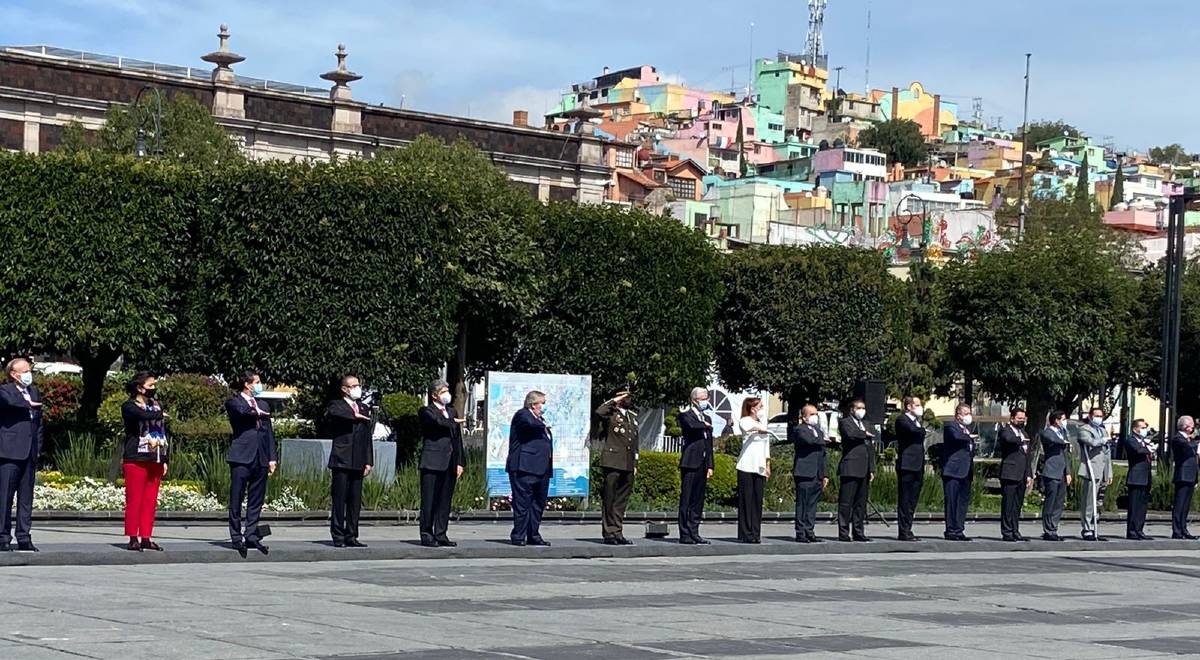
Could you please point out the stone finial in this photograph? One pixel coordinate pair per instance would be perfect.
(223, 58)
(341, 77)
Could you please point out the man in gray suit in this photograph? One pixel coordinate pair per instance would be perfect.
(1095, 471)
(1056, 475)
(808, 470)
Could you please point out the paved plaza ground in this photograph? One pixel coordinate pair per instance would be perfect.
(933, 600)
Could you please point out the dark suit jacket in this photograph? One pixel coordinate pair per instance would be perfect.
(253, 436)
(441, 439)
(1054, 449)
(20, 424)
(530, 445)
(619, 435)
(910, 444)
(858, 453)
(957, 451)
(1014, 455)
(697, 440)
(1183, 452)
(352, 448)
(809, 443)
(1139, 457)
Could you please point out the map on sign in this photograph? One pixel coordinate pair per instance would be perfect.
(569, 413)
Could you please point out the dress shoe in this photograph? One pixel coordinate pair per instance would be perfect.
(260, 546)
(539, 541)
(134, 544)
(355, 543)
(701, 541)
(1051, 537)
(339, 544)
(611, 541)
(446, 543)
(687, 542)
(429, 543)
(1132, 536)
(844, 539)
(1008, 539)
(1144, 537)
(812, 538)
(862, 539)
(1188, 536)
(1020, 538)
(624, 541)
(906, 537)
(27, 546)
(147, 544)
(517, 543)
(241, 549)
(802, 538)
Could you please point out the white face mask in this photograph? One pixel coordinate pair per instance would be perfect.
(918, 411)
(356, 392)
(27, 378)
(445, 398)
(813, 420)
(1098, 421)
(859, 413)
(966, 420)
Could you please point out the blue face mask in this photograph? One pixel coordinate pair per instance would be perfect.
(27, 378)
(256, 389)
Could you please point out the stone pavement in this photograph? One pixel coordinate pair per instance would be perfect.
(1052, 602)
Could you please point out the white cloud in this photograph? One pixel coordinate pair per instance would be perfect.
(499, 106)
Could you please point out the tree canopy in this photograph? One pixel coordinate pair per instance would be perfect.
(900, 139)
(1040, 131)
(187, 132)
(1171, 154)
(919, 362)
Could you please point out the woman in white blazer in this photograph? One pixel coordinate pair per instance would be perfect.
(753, 469)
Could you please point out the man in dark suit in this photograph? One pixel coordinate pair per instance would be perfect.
(1183, 453)
(251, 459)
(20, 444)
(1056, 474)
(350, 459)
(808, 470)
(855, 472)
(957, 464)
(695, 465)
(1016, 474)
(619, 441)
(910, 464)
(442, 463)
(530, 465)
(1139, 453)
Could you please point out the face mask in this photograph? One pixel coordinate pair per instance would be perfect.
(966, 420)
(150, 393)
(356, 393)
(1018, 425)
(256, 389)
(918, 411)
(1098, 421)
(859, 414)
(703, 405)
(813, 420)
(445, 398)
(1141, 433)
(27, 378)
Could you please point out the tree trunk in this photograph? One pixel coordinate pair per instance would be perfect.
(456, 369)
(95, 364)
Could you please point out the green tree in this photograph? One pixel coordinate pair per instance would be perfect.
(918, 363)
(803, 322)
(495, 273)
(96, 244)
(1040, 131)
(1083, 197)
(186, 133)
(1118, 189)
(900, 139)
(1048, 322)
(628, 297)
(1171, 154)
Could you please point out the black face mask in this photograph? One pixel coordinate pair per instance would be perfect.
(150, 393)
(1019, 425)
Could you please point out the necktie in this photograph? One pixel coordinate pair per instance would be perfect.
(354, 407)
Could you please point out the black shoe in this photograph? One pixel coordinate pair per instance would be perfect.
(862, 539)
(446, 543)
(1009, 539)
(339, 544)
(241, 549)
(134, 544)
(1051, 537)
(355, 543)
(260, 546)
(844, 539)
(700, 541)
(611, 541)
(906, 537)
(621, 540)
(429, 543)
(1020, 538)
(147, 544)
(683, 541)
(1186, 535)
(812, 538)
(517, 543)
(27, 546)
(802, 538)
(539, 541)
(1144, 537)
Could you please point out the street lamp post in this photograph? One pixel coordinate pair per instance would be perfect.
(151, 116)
(926, 228)
(1173, 267)
(1024, 150)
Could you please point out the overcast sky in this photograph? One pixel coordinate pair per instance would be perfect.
(1120, 69)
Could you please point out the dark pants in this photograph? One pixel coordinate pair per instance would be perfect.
(808, 494)
(346, 493)
(528, 503)
(1181, 507)
(437, 491)
(852, 506)
(618, 487)
(957, 495)
(16, 482)
(693, 485)
(1055, 491)
(911, 482)
(1135, 521)
(1012, 494)
(247, 482)
(750, 505)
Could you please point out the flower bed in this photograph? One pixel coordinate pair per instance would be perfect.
(57, 492)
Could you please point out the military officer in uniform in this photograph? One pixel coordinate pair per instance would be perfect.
(1095, 472)
(618, 459)
(1016, 475)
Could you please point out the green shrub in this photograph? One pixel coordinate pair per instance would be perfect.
(400, 412)
(82, 456)
(728, 444)
(657, 480)
(200, 432)
(722, 487)
(671, 422)
(192, 396)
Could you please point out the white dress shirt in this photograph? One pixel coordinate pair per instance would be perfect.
(756, 446)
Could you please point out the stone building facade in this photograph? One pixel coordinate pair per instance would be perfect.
(42, 89)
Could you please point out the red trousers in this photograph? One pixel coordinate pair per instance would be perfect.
(141, 497)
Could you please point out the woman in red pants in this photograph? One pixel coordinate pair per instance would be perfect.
(145, 460)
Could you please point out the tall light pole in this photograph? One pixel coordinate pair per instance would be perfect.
(1174, 265)
(1024, 149)
(151, 116)
(750, 84)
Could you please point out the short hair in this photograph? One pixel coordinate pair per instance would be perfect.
(437, 385)
(910, 399)
(697, 391)
(858, 401)
(1183, 422)
(139, 379)
(1139, 420)
(1014, 411)
(245, 378)
(346, 379)
(748, 404)
(1095, 408)
(533, 398)
(808, 406)
(12, 364)
(961, 407)
(1056, 415)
